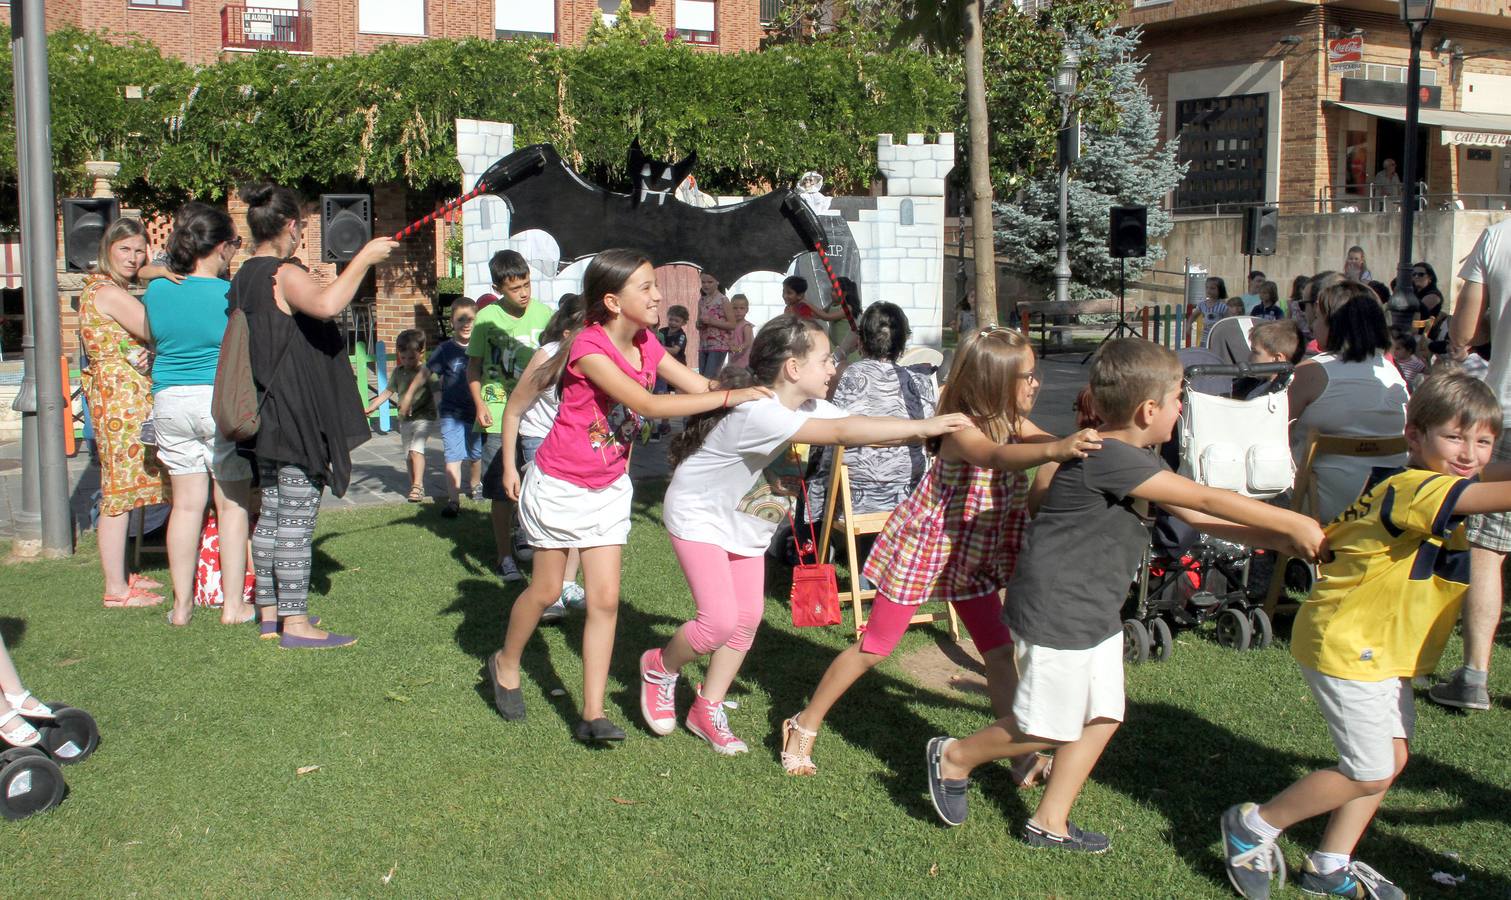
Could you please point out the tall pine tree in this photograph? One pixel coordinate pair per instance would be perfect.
(1123, 162)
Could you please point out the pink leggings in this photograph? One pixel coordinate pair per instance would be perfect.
(982, 617)
(729, 591)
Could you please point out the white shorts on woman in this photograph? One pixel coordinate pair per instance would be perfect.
(188, 443)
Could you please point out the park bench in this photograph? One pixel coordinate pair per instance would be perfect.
(1040, 313)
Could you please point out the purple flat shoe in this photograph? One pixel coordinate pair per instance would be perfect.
(293, 642)
(268, 630)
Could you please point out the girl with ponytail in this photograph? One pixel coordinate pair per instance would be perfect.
(733, 484)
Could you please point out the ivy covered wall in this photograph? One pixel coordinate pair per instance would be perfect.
(755, 119)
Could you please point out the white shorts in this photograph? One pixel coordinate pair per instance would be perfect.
(1061, 691)
(188, 443)
(1364, 719)
(414, 433)
(556, 513)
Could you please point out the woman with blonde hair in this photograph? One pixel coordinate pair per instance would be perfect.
(113, 330)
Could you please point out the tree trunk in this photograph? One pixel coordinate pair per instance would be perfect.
(980, 166)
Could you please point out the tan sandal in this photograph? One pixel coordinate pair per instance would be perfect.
(801, 762)
(416, 494)
(1032, 770)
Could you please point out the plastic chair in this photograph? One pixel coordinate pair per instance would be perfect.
(1304, 494)
(852, 525)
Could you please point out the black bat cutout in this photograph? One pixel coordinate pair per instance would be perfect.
(728, 242)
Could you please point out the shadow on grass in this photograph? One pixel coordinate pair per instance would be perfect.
(1190, 769)
(12, 631)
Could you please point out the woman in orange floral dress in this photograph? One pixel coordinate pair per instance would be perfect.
(114, 330)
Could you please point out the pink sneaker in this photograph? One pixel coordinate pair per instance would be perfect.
(658, 694)
(708, 721)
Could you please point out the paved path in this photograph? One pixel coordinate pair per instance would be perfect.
(378, 474)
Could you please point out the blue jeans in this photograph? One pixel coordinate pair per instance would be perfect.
(459, 441)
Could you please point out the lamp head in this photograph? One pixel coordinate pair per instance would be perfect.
(1065, 75)
(1417, 13)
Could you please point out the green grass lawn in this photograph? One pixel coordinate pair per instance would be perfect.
(194, 793)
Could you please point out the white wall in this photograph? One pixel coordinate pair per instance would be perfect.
(902, 264)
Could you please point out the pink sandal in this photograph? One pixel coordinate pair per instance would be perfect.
(143, 582)
(135, 597)
(801, 762)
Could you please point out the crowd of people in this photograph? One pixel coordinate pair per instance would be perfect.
(538, 410)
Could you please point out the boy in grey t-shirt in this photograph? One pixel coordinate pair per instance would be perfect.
(1065, 619)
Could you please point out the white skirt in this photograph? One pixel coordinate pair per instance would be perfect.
(556, 513)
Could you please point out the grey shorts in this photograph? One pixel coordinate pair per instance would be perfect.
(493, 467)
(1364, 719)
(1492, 531)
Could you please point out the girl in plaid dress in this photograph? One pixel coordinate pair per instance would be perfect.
(956, 538)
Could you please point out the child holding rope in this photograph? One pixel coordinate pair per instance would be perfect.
(577, 494)
(732, 485)
(956, 538)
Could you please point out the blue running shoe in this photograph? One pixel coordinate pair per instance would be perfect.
(1252, 862)
(1355, 880)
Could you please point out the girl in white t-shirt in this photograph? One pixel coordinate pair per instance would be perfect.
(528, 416)
(732, 485)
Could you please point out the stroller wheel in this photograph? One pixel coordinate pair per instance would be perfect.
(1264, 631)
(1135, 641)
(1161, 641)
(1233, 629)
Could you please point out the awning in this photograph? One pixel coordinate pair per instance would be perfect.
(1458, 127)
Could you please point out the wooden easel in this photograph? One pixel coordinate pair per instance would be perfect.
(853, 525)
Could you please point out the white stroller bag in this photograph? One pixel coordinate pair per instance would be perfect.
(1237, 445)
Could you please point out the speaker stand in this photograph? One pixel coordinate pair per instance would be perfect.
(1122, 325)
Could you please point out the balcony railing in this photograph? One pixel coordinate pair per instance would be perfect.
(265, 28)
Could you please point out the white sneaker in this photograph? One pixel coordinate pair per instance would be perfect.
(508, 570)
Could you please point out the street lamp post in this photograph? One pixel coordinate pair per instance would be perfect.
(1065, 89)
(1416, 14)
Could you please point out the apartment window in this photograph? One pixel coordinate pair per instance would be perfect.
(1223, 139)
(158, 4)
(391, 16)
(515, 19)
(610, 10)
(1397, 74)
(697, 21)
(770, 9)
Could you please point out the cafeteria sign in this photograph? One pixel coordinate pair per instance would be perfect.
(1345, 55)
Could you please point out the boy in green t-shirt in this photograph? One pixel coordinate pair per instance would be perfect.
(504, 337)
(1381, 611)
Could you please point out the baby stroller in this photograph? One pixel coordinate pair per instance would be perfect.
(1188, 578)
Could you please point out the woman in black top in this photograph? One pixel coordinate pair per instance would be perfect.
(311, 415)
(1424, 283)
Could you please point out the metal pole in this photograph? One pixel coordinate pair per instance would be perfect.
(28, 520)
(40, 244)
(1402, 298)
(1062, 259)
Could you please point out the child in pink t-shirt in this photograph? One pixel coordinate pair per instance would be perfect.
(578, 492)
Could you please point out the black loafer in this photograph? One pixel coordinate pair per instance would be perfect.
(597, 731)
(510, 702)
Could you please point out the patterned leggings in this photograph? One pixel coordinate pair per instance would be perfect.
(281, 543)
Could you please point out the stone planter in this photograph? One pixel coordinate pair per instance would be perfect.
(102, 171)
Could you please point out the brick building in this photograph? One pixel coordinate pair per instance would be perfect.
(199, 31)
(1250, 95)
(401, 293)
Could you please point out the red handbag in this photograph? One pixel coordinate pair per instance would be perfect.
(815, 590)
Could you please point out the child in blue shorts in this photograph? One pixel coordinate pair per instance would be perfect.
(456, 408)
